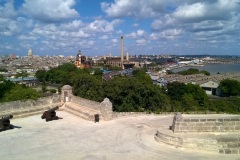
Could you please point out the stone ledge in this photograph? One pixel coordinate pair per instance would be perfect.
(217, 143)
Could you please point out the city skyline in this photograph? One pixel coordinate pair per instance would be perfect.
(62, 27)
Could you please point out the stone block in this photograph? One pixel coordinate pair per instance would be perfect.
(183, 124)
(230, 128)
(219, 120)
(191, 124)
(231, 123)
(183, 128)
(234, 119)
(228, 151)
(215, 128)
(237, 123)
(234, 151)
(221, 151)
(211, 120)
(190, 128)
(237, 128)
(206, 129)
(203, 120)
(194, 120)
(218, 123)
(186, 120)
(199, 124)
(225, 123)
(208, 124)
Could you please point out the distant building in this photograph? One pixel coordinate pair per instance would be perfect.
(123, 61)
(30, 53)
(82, 61)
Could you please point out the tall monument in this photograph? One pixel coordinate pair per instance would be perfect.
(122, 50)
(30, 53)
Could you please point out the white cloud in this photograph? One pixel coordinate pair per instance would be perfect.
(50, 11)
(25, 37)
(114, 40)
(191, 11)
(7, 10)
(76, 24)
(167, 34)
(104, 37)
(135, 25)
(100, 26)
(171, 33)
(141, 42)
(134, 8)
(138, 33)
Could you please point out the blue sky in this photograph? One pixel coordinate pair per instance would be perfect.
(62, 27)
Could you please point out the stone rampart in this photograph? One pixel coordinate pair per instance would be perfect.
(21, 107)
(205, 124)
(85, 102)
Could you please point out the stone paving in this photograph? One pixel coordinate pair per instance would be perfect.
(73, 138)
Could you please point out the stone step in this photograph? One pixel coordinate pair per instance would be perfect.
(76, 113)
(231, 145)
(81, 111)
(228, 139)
(82, 108)
(216, 143)
(229, 151)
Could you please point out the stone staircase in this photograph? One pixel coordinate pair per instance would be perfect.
(220, 143)
(230, 145)
(82, 111)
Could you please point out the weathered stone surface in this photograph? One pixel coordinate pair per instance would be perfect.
(106, 109)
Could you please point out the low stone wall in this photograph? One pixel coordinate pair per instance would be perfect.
(19, 106)
(85, 102)
(206, 144)
(220, 124)
(123, 114)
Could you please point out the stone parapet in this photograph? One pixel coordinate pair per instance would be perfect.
(16, 106)
(224, 144)
(220, 124)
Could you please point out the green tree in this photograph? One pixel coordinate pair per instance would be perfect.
(188, 102)
(1, 77)
(41, 75)
(3, 70)
(176, 90)
(18, 92)
(229, 87)
(132, 94)
(87, 86)
(142, 75)
(197, 93)
(191, 71)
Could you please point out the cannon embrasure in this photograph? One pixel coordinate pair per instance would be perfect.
(5, 122)
(50, 114)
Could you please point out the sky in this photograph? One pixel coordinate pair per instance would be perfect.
(62, 27)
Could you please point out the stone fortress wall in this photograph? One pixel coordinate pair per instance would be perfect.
(30, 107)
(84, 108)
(212, 133)
(204, 124)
